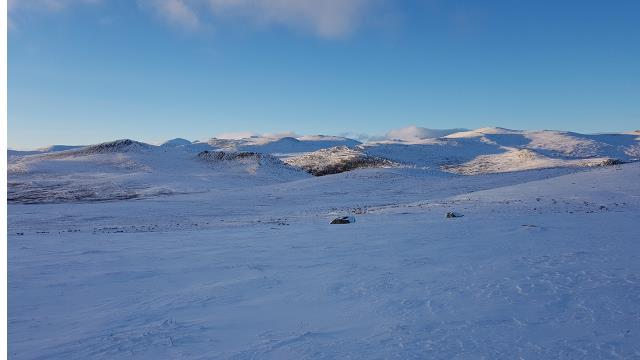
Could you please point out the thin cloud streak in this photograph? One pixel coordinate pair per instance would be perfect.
(324, 18)
(46, 5)
(175, 12)
(328, 18)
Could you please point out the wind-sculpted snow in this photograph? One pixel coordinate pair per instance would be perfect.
(73, 191)
(337, 160)
(542, 265)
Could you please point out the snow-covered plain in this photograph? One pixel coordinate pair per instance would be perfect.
(164, 252)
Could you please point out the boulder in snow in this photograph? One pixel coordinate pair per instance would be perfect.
(344, 220)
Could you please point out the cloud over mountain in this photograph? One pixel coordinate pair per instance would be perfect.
(412, 133)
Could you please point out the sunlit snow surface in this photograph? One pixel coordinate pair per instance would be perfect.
(540, 266)
(236, 259)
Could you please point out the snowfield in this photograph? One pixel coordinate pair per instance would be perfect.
(126, 250)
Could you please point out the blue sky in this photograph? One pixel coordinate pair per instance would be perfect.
(85, 71)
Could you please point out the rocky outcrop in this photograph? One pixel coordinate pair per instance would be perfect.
(337, 160)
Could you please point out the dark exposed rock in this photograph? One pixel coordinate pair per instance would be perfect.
(336, 160)
(352, 164)
(344, 220)
(611, 162)
(230, 156)
(452, 214)
(125, 145)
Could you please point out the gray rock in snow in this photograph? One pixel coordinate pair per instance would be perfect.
(344, 220)
(452, 214)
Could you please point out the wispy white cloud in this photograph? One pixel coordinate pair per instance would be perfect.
(42, 6)
(46, 5)
(236, 135)
(178, 13)
(280, 135)
(409, 134)
(362, 137)
(326, 18)
(413, 133)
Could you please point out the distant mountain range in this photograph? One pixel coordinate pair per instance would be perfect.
(132, 169)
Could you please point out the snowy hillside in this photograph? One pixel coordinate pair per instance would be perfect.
(541, 264)
(561, 143)
(522, 159)
(489, 150)
(127, 169)
(282, 145)
(42, 150)
(254, 163)
(336, 160)
(476, 244)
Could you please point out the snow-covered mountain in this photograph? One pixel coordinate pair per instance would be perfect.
(282, 145)
(131, 169)
(561, 144)
(489, 150)
(42, 150)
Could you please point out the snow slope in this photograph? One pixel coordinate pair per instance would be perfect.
(282, 145)
(126, 169)
(432, 153)
(543, 264)
(488, 150)
(519, 160)
(43, 150)
(562, 144)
